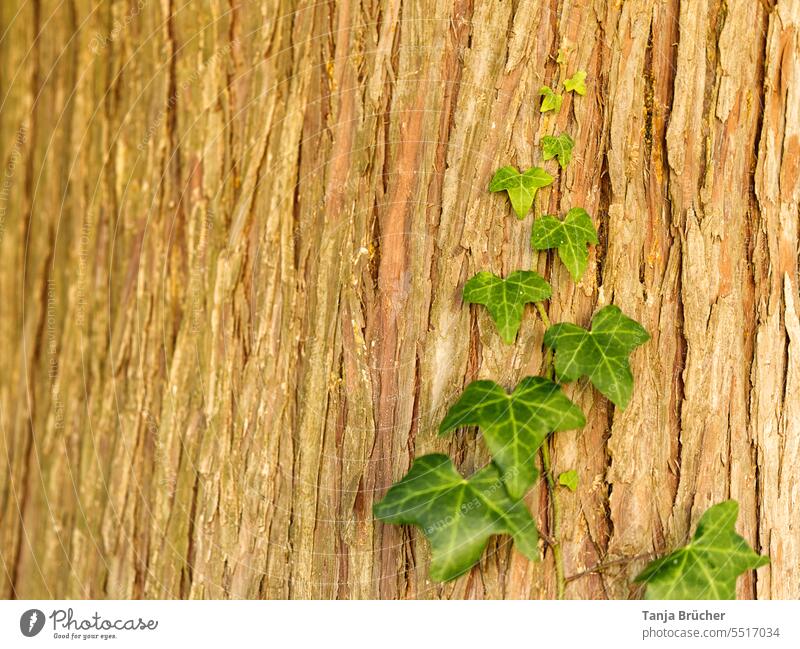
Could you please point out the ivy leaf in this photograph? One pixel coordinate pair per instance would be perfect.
(521, 187)
(601, 354)
(569, 479)
(708, 566)
(457, 514)
(551, 101)
(576, 83)
(558, 147)
(506, 298)
(514, 425)
(570, 236)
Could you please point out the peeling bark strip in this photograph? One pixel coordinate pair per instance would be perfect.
(231, 299)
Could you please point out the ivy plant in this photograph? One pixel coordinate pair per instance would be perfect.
(520, 187)
(570, 237)
(707, 567)
(601, 354)
(506, 298)
(576, 83)
(558, 147)
(569, 479)
(551, 100)
(514, 425)
(459, 514)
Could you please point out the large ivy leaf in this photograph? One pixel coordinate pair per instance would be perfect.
(550, 100)
(521, 187)
(506, 298)
(514, 425)
(601, 354)
(576, 83)
(706, 568)
(570, 236)
(457, 514)
(558, 147)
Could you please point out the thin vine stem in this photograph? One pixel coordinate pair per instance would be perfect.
(548, 355)
(555, 522)
(601, 567)
(547, 469)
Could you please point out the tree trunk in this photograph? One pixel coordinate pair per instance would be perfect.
(234, 238)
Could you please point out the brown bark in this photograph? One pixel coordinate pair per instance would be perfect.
(233, 242)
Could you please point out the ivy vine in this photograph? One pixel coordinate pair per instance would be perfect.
(459, 514)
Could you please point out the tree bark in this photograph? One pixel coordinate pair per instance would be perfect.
(234, 238)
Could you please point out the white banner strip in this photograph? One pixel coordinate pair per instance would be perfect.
(401, 625)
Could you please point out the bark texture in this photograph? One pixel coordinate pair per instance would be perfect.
(233, 238)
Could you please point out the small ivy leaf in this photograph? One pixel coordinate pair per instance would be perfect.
(708, 566)
(514, 425)
(551, 101)
(558, 147)
(457, 514)
(601, 354)
(521, 187)
(506, 298)
(576, 83)
(569, 479)
(570, 236)
(561, 58)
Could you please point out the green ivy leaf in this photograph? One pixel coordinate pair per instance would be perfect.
(569, 479)
(576, 83)
(514, 425)
(706, 568)
(551, 101)
(506, 298)
(521, 187)
(570, 236)
(457, 514)
(601, 354)
(558, 147)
